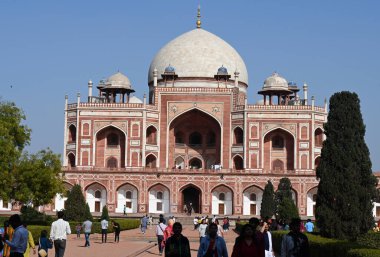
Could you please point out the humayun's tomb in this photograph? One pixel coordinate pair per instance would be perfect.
(194, 137)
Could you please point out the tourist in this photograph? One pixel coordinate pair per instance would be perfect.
(247, 244)
(212, 245)
(150, 221)
(225, 221)
(44, 244)
(220, 229)
(78, 228)
(58, 234)
(125, 209)
(309, 226)
(30, 242)
(8, 233)
(87, 225)
(104, 225)
(168, 232)
(160, 228)
(144, 223)
(267, 241)
(202, 230)
(295, 244)
(195, 222)
(116, 228)
(19, 241)
(190, 209)
(177, 245)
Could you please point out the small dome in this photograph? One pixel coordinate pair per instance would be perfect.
(118, 80)
(260, 102)
(275, 81)
(169, 69)
(222, 71)
(135, 100)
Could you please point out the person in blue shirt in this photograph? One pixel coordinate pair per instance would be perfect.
(309, 226)
(20, 237)
(44, 243)
(212, 244)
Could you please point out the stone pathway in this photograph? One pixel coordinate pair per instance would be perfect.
(132, 244)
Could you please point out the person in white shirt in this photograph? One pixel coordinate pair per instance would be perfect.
(160, 228)
(104, 224)
(58, 234)
(202, 230)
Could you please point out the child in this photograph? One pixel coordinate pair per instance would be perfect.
(44, 243)
(78, 228)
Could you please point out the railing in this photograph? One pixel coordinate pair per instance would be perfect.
(163, 171)
(112, 105)
(284, 107)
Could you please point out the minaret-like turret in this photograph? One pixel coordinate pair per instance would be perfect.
(305, 93)
(89, 90)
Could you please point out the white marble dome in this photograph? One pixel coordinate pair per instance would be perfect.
(275, 81)
(118, 80)
(135, 100)
(198, 53)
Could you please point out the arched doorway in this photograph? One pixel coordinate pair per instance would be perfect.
(151, 161)
(195, 163)
(110, 141)
(194, 134)
(238, 162)
(279, 147)
(192, 195)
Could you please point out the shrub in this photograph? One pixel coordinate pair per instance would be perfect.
(370, 240)
(31, 216)
(36, 231)
(363, 253)
(105, 213)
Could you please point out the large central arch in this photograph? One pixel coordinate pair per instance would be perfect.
(278, 151)
(195, 134)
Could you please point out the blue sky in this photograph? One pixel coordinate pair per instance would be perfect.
(50, 48)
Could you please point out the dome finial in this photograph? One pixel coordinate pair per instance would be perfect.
(199, 17)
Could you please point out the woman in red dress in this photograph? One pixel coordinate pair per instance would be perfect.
(168, 232)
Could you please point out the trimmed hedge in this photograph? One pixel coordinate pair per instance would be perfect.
(370, 240)
(364, 253)
(36, 231)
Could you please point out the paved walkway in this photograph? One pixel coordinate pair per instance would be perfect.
(132, 244)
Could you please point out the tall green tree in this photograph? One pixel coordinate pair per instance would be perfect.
(14, 136)
(347, 187)
(38, 178)
(268, 204)
(286, 209)
(75, 205)
(105, 213)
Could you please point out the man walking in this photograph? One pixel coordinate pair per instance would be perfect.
(295, 243)
(104, 224)
(58, 234)
(20, 237)
(144, 224)
(87, 225)
(160, 228)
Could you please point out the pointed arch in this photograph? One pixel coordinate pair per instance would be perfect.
(222, 206)
(156, 204)
(72, 134)
(311, 201)
(238, 162)
(238, 136)
(127, 198)
(284, 151)
(318, 137)
(71, 160)
(151, 135)
(94, 200)
(252, 198)
(195, 163)
(151, 161)
(108, 139)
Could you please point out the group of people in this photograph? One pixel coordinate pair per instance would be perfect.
(255, 240)
(87, 227)
(225, 226)
(16, 239)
